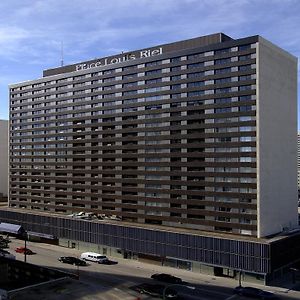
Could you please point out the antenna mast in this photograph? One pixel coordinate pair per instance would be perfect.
(62, 54)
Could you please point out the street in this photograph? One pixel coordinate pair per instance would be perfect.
(113, 282)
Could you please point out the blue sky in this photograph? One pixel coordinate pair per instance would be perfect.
(31, 31)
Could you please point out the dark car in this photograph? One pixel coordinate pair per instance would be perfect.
(252, 292)
(166, 278)
(72, 260)
(24, 250)
(155, 290)
(109, 262)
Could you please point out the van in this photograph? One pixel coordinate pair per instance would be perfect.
(96, 257)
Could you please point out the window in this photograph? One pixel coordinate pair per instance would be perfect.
(244, 47)
(153, 72)
(153, 89)
(245, 77)
(244, 57)
(153, 98)
(129, 93)
(195, 56)
(130, 109)
(245, 108)
(222, 71)
(176, 96)
(175, 69)
(153, 63)
(246, 118)
(196, 84)
(222, 100)
(128, 68)
(129, 101)
(175, 86)
(245, 128)
(245, 159)
(130, 84)
(196, 65)
(108, 88)
(108, 96)
(245, 88)
(153, 107)
(195, 103)
(223, 110)
(176, 77)
(246, 149)
(129, 76)
(196, 93)
(176, 59)
(108, 103)
(155, 80)
(245, 68)
(196, 75)
(110, 79)
(222, 61)
(223, 90)
(245, 98)
(106, 72)
(222, 51)
(223, 80)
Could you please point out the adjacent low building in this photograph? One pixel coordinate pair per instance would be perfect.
(192, 144)
(3, 160)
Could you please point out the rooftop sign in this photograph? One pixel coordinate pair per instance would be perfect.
(119, 59)
(203, 41)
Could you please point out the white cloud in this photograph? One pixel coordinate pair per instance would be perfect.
(31, 31)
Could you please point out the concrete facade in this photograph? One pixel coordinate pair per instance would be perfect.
(4, 157)
(276, 139)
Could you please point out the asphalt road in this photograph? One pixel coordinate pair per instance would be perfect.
(113, 282)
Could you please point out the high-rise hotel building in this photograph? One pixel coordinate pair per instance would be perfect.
(197, 135)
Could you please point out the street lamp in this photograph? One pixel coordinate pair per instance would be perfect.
(294, 271)
(176, 284)
(240, 276)
(25, 236)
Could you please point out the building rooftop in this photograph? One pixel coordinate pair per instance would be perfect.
(220, 235)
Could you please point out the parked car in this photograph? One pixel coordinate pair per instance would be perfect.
(72, 260)
(24, 250)
(96, 257)
(4, 242)
(6, 239)
(166, 278)
(155, 290)
(252, 292)
(6, 254)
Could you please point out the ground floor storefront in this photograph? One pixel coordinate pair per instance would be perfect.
(239, 258)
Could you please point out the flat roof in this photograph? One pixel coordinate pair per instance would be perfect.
(10, 228)
(221, 235)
